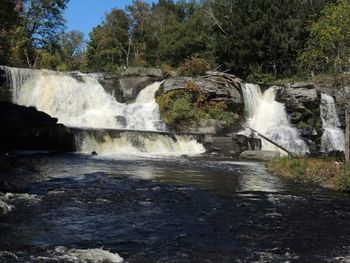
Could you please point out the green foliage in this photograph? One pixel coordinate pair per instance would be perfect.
(185, 108)
(177, 110)
(262, 41)
(343, 180)
(70, 50)
(261, 36)
(262, 78)
(109, 44)
(196, 66)
(327, 173)
(8, 18)
(328, 48)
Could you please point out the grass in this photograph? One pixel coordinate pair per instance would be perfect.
(327, 173)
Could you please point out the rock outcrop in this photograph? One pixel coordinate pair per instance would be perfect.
(302, 102)
(5, 90)
(259, 155)
(133, 80)
(231, 145)
(217, 91)
(24, 128)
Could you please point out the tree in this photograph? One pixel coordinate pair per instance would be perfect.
(40, 25)
(70, 50)
(183, 40)
(328, 48)
(260, 36)
(110, 42)
(8, 19)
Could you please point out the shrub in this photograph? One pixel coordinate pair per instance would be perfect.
(186, 107)
(196, 66)
(327, 173)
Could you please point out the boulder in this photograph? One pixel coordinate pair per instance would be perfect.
(130, 87)
(259, 155)
(231, 145)
(298, 99)
(302, 103)
(212, 87)
(24, 128)
(111, 85)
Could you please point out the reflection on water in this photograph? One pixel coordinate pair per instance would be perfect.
(165, 210)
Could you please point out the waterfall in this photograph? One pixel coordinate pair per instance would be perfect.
(137, 143)
(267, 116)
(333, 138)
(81, 101)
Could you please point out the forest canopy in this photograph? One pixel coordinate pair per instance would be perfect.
(253, 39)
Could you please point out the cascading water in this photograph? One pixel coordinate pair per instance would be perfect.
(82, 102)
(269, 117)
(333, 138)
(138, 143)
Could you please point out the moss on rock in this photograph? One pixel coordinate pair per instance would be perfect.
(185, 108)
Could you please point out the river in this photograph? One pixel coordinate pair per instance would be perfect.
(166, 210)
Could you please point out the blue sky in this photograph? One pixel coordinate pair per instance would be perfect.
(83, 15)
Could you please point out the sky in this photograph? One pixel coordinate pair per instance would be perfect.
(83, 15)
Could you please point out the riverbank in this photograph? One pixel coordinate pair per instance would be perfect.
(326, 173)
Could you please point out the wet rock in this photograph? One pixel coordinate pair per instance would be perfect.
(302, 102)
(259, 155)
(298, 99)
(25, 128)
(213, 126)
(5, 91)
(230, 145)
(111, 85)
(94, 153)
(121, 120)
(131, 86)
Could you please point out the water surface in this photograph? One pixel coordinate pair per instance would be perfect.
(168, 210)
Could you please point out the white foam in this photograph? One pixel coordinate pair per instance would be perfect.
(333, 138)
(269, 117)
(133, 144)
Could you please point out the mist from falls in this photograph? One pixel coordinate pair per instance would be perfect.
(82, 102)
(269, 117)
(333, 138)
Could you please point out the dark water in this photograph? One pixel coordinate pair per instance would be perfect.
(150, 210)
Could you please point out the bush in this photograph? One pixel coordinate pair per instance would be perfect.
(186, 107)
(327, 173)
(196, 66)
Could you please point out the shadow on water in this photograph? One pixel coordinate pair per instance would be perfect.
(170, 210)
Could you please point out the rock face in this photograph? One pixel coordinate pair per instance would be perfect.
(231, 145)
(24, 128)
(5, 91)
(302, 102)
(259, 155)
(133, 80)
(223, 91)
(216, 92)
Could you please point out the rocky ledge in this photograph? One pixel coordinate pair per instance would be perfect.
(24, 128)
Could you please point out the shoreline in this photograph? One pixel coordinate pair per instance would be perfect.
(326, 173)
